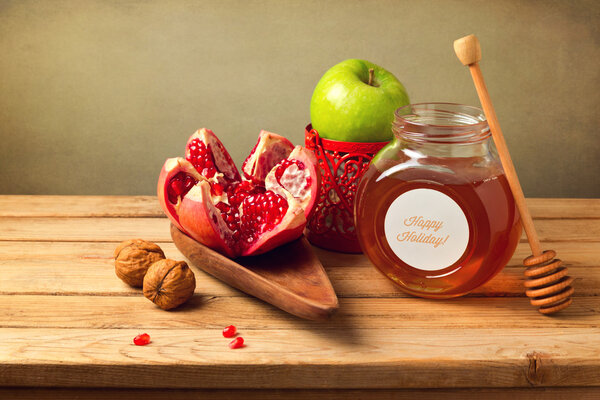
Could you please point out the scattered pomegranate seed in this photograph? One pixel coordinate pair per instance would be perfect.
(141, 340)
(229, 331)
(236, 343)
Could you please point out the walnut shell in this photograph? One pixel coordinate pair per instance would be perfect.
(133, 258)
(169, 283)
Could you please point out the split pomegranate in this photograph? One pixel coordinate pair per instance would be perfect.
(204, 195)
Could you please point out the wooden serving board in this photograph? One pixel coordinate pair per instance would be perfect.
(290, 277)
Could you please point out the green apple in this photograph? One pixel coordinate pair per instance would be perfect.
(355, 102)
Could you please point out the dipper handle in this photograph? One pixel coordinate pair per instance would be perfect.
(544, 271)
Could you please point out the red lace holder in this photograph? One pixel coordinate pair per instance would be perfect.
(342, 164)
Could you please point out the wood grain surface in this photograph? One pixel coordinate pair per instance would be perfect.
(67, 321)
(562, 393)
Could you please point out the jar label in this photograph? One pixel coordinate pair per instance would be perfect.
(426, 229)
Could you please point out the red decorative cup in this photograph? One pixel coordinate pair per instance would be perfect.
(342, 164)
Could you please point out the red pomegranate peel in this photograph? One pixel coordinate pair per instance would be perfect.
(268, 151)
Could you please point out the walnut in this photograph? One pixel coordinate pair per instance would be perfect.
(133, 258)
(169, 283)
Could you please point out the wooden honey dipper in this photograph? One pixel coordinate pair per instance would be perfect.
(547, 284)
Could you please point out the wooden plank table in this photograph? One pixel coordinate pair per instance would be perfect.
(67, 322)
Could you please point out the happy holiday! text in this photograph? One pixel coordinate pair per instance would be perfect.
(420, 222)
(422, 237)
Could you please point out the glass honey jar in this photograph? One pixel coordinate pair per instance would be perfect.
(434, 212)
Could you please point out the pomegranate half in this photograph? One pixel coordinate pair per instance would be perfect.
(204, 195)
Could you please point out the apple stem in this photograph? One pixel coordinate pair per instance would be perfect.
(371, 76)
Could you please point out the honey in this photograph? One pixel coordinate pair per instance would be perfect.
(434, 212)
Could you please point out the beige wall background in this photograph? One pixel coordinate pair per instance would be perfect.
(95, 95)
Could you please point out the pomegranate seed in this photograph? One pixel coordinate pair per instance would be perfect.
(143, 339)
(229, 331)
(189, 182)
(177, 187)
(236, 343)
(246, 185)
(201, 158)
(217, 189)
(261, 212)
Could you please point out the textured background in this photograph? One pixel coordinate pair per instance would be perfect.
(95, 95)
